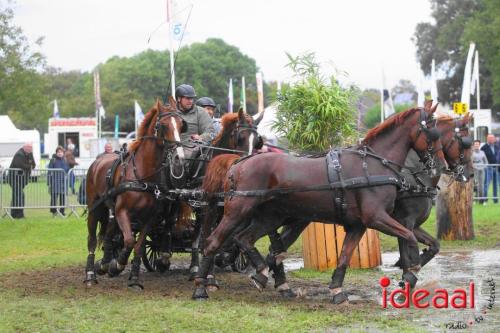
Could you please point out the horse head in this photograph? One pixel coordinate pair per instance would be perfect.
(239, 133)
(169, 125)
(457, 146)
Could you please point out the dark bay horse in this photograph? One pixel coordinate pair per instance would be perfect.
(250, 214)
(411, 209)
(158, 135)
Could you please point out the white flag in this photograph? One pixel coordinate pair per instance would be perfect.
(260, 92)
(475, 74)
(420, 91)
(467, 76)
(55, 113)
(139, 115)
(97, 94)
(434, 87)
(387, 105)
(230, 99)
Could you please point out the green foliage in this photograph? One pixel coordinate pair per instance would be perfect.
(457, 23)
(22, 89)
(484, 29)
(315, 113)
(372, 117)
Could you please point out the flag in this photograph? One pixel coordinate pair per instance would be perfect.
(230, 97)
(260, 92)
(55, 113)
(243, 98)
(467, 76)
(386, 105)
(97, 94)
(434, 88)
(138, 115)
(475, 81)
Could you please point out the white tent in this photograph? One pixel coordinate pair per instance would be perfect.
(12, 138)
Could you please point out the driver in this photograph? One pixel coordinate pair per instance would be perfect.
(200, 126)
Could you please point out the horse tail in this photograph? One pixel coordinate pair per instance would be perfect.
(216, 172)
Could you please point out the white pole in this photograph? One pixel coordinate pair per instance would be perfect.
(171, 46)
(467, 76)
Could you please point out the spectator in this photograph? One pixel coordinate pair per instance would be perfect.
(491, 151)
(18, 179)
(56, 180)
(108, 149)
(69, 157)
(479, 162)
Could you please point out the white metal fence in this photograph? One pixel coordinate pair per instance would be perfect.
(64, 194)
(59, 192)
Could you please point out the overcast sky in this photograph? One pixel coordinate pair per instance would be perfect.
(359, 37)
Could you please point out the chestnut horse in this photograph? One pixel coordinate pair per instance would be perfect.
(411, 209)
(267, 189)
(158, 135)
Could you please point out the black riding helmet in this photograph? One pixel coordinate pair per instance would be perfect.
(205, 101)
(184, 90)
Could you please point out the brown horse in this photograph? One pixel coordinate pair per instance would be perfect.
(267, 189)
(238, 135)
(158, 135)
(411, 209)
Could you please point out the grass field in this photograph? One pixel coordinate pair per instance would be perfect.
(41, 271)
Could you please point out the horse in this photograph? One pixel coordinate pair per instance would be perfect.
(264, 190)
(133, 179)
(411, 209)
(238, 135)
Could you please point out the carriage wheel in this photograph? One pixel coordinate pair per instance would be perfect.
(151, 254)
(241, 263)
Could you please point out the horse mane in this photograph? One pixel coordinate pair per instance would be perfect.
(228, 123)
(387, 125)
(143, 128)
(216, 172)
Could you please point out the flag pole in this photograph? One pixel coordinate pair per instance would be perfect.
(171, 46)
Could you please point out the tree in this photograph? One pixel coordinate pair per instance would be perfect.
(372, 117)
(484, 29)
(457, 23)
(22, 89)
(315, 112)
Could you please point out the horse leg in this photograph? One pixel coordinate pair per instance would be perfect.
(353, 235)
(426, 239)
(386, 224)
(200, 282)
(277, 251)
(116, 266)
(102, 266)
(90, 277)
(139, 248)
(195, 248)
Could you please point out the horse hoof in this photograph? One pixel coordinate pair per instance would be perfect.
(259, 280)
(340, 298)
(287, 293)
(161, 267)
(212, 284)
(136, 286)
(90, 279)
(99, 268)
(410, 278)
(113, 269)
(200, 294)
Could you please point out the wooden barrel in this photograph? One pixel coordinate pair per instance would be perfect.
(322, 244)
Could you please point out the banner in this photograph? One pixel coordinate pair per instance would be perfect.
(55, 113)
(138, 115)
(97, 94)
(243, 98)
(230, 97)
(260, 92)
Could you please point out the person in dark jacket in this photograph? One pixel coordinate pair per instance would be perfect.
(491, 150)
(56, 179)
(18, 179)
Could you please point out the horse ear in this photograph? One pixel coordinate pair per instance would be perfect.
(468, 118)
(241, 115)
(158, 105)
(172, 102)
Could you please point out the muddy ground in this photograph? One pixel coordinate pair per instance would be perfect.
(447, 270)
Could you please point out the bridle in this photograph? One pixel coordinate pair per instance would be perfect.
(428, 127)
(457, 169)
(239, 129)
